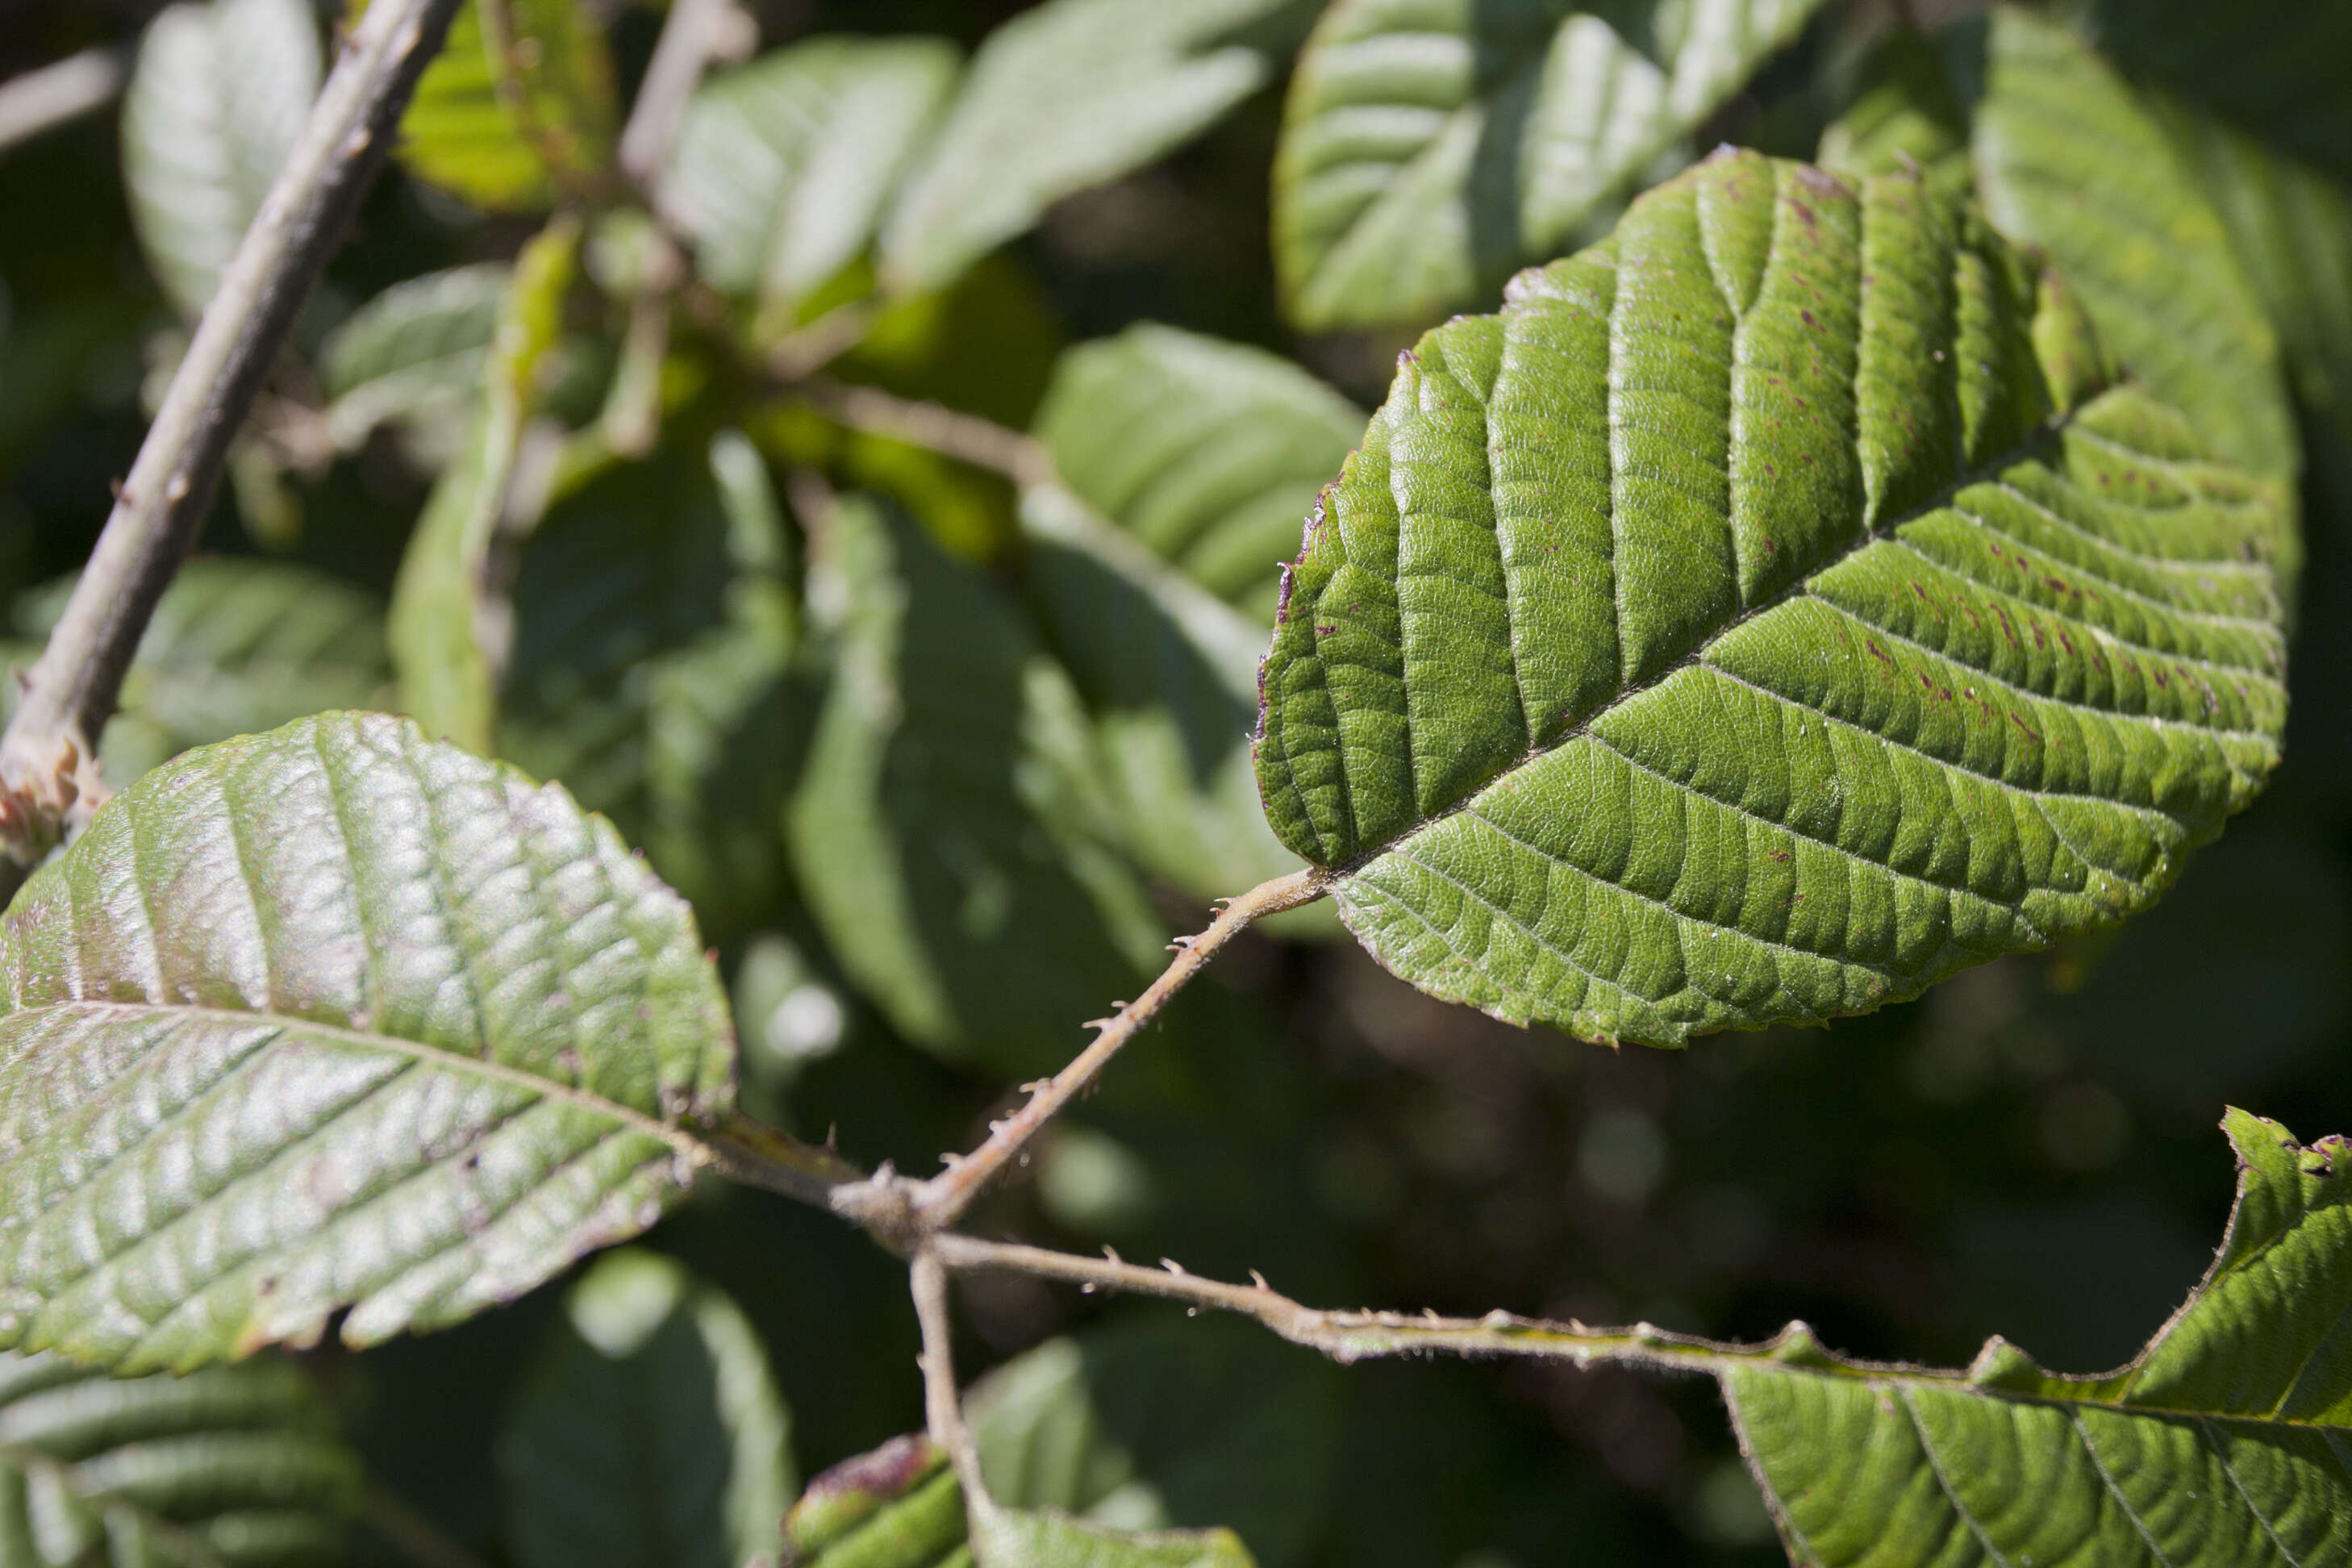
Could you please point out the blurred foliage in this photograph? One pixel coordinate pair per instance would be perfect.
(702, 646)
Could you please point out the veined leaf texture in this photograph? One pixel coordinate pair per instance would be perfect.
(1431, 146)
(2224, 1443)
(336, 1016)
(1772, 609)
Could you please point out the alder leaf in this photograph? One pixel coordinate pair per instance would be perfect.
(518, 107)
(899, 1507)
(1072, 94)
(211, 115)
(1431, 146)
(2069, 159)
(1207, 452)
(1158, 1420)
(446, 642)
(896, 1506)
(333, 1017)
(1772, 610)
(952, 838)
(783, 168)
(234, 647)
(2292, 228)
(2275, 67)
(1020, 1538)
(414, 355)
(649, 1433)
(653, 631)
(2223, 1442)
(229, 1465)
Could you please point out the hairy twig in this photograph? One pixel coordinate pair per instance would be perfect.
(981, 442)
(942, 1410)
(1347, 1337)
(54, 95)
(47, 780)
(758, 1155)
(899, 1211)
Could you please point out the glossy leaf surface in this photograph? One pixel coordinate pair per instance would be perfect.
(518, 107)
(1431, 146)
(783, 168)
(212, 111)
(649, 1434)
(2224, 1443)
(1766, 615)
(950, 834)
(1072, 94)
(336, 1017)
(236, 1466)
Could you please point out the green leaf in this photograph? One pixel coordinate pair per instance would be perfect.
(2069, 159)
(2275, 67)
(336, 1016)
(1431, 146)
(212, 111)
(2223, 1442)
(1017, 1539)
(1208, 452)
(1160, 1420)
(1072, 94)
(442, 620)
(899, 1507)
(1906, 112)
(414, 355)
(1169, 674)
(783, 167)
(518, 107)
(653, 631)
(234, 647)
(1765, 616)
(2292, 228)
(896, 1506)
(649, 1433)
(951, 836)
(229, 1465)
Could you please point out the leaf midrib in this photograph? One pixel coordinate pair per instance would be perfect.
(678, 1137)
(1941, 500)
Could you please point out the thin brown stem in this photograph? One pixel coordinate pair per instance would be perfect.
(47, 780)
(940, 1201)
(54, 95)
(982, 443)
(746, 1151)
(1353, 1336)
(942, 1408)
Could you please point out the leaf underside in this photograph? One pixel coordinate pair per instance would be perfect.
(335, 1017)
(230, 1465)
(212, 112)
(1771, 611)
(1431, 146)
(2228, 1442)
(782, 167)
